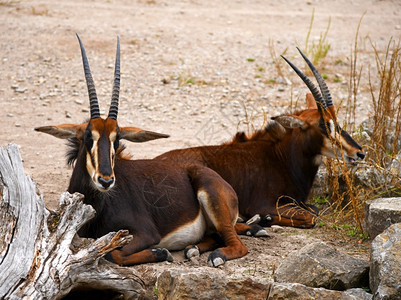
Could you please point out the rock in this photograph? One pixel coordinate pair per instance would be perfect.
(368, 177)
(380, 214)
(319, 265)
(280, 291)
(201, 283)
(395, 166)
(277, 228)
(358, 294)
(385, 258)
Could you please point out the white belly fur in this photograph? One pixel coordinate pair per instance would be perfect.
(185, 235)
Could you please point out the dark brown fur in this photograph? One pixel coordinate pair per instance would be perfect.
(272, 170)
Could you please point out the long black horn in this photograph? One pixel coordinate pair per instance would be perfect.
(314, 90)
(94, 105)
(113, 111)
(322, 84)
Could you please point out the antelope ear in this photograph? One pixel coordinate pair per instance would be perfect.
(291, 122)
(310, 101)
(64, 131)
(138, 135)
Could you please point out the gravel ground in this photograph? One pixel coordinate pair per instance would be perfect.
(197, 70)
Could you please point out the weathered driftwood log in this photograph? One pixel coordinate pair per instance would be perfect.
(41, 257)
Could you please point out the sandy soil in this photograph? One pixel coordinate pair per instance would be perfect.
(221, 47)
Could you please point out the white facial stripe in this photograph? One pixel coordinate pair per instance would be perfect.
(329, 149)
(112, 155)
(113, 136)
(95, 135)
(333, 131)
(89, 166)
(94, 154)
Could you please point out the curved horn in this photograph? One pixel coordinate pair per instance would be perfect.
(113, 111)
(94, 105)
(322, 84)
(314, 90)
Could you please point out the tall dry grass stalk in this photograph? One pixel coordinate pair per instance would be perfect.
(346, 197)
(354, 78)
(387, 104)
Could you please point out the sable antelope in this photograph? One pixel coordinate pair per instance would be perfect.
(272, 171)
(164, 205)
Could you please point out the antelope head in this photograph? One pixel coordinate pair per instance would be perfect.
(321, 114)
(99, 138)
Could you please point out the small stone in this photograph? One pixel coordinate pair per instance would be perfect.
(67, 115)
(17, 125)
(10, 115)
(20, 90)
(277, 228)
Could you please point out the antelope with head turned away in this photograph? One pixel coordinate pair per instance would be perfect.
(272, 171)
(164, 205)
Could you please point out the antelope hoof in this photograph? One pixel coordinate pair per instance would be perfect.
(268, 218)
(257, 231)
(254, 220)
(162, 254)
(266, 221)
(216, 258)
(192, 252)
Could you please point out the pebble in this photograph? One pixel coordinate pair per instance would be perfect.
(20, 90)
(10, 115)
(277, 228)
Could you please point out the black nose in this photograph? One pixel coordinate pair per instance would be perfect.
(105, 182)
(361, 155)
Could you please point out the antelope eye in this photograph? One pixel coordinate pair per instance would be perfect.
(88, 140)
(117, 141)
(325, 127)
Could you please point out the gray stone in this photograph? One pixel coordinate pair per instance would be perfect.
(380, 214)
(319, 265)
(385, 270)
(395, 166)
(283, 291)
(368, 177)
(201, 283)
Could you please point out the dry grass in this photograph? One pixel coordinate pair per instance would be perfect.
(343, 205)
(347, 196)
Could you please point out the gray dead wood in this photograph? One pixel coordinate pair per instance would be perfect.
(41, 257)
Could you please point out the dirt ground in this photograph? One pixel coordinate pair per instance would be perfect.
(197, 70)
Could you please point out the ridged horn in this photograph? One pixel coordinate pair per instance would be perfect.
(113, 111)
(321, 105)
(322, 84)
(94, 105)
